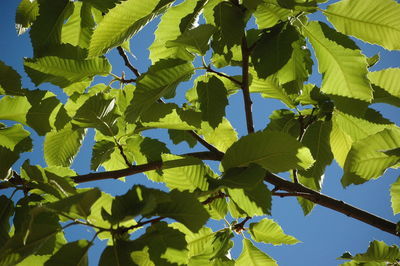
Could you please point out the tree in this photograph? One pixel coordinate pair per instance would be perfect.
(220, 175)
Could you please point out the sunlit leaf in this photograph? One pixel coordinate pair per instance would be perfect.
(340, 61)
(160, 80)
(377, 252)
(102, 151)
(221, 137)
(276, 152)
(175, 23)
(79, 27)
(268, 231)
(64, 72)
(371, 21)
(387, 79)
(366, 159)
(253, 256)
(395, 194)
(121, 22)
(61, 147)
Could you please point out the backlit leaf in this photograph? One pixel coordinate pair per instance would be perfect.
(268, 231)
(395, 194)
(341, 63)
(387, 79)
(253, 256)
(377, 251)
(371, 21)
(26, 13)
(275, 151)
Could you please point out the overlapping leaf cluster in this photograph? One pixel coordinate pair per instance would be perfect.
(335, 120)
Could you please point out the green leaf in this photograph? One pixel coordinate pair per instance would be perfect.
(366, 159)
(146, 150)
(103, 5)
(253, 256)
(14, 108)
(269, 88)
(26, 14)
(64, 72)
(46, 29)
(275, 151)
(76, 206)
(10, 81)
(221, 137)
(189, 177)
(161, 79)
(98, 112)
(265, 58)
(247, 177)
(387, 79)
(268, 231)
(371, 21)
(10, 137)
(212, 96)
(122, 22)
(268, 15)
(377, 251)
(175, 24)
(6, 211)
(284, 120)
(184, 208)
(73, 253)
(101, 153)
(160, 115)
(206, 248)
(79, 27)
(61, 147)
(41, 230)
(395, 194)
(196, 39)
(317, 139)
(253, 201)
(341, 63)
(178, 136)
(117, 254)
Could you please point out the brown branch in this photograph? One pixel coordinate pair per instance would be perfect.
(128, 64)
(136, 169)
(209, 200)
(331, 203)
(240, 226)
(207, 145)
(245, 86)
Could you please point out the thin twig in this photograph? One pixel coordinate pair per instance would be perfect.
(209, 200)
(209, 69)
(245, 86)
(128, 64)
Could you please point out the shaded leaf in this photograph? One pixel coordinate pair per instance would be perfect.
(26, 13)
(101, 153)
(10, 81)
(73, 253)
(6, 211)
(371, 21)
(46, 29)
(179, 136)
(270, 232)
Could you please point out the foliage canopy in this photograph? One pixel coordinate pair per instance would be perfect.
(271, 42)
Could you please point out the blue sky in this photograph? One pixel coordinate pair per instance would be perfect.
(325, 234)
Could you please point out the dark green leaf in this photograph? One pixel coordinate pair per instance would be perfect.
(46, 29)
(102, 151)
(247, 177)
(178, 136)
(26, 13)
(6, 211)
(73, 253)
(10, 80)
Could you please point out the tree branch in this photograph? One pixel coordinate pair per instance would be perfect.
(136, 169)
(331, 203)
(206, 144)
(127, 62)
(209, 69)
(245, 86)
